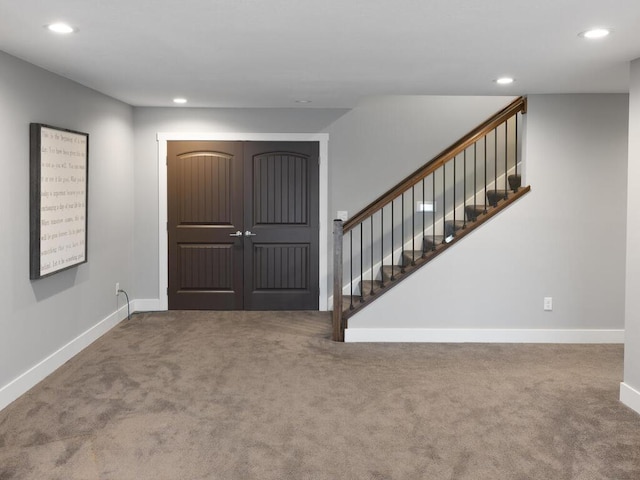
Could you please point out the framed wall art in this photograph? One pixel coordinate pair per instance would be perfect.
(58, 199)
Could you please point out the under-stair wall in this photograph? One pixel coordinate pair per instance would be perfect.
(491, 286)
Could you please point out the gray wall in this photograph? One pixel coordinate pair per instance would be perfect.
(562, 240)
(632, 324)
(565, 239)
(384, 139)
(379, 142)
(39, 317)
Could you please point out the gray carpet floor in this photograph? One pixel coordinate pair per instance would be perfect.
(267, 395)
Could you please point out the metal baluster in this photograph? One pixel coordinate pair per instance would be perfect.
(361, 267)
(495, 161)
(392, 243)
(351, 269)
(402, 234)
(475, 181)
(444, 198)
(515, 162)
(413, 226)
(371, 247)
(424, 200)
(454, 196)
(433, 211)
(382, 247)
(506, 159)
(485, 174)
(464, 189)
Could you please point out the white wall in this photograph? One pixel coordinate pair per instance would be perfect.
(565, 239)
(630, 389)
(42, 317)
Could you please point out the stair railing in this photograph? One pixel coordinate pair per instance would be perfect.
(378, 244)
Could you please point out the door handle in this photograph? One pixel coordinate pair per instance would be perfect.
(237, 234)
(249, 234)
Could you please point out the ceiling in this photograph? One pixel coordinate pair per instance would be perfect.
(270, 53)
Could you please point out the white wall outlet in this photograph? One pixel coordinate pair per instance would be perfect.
(342, 215)
(117, 288)
(548, 304)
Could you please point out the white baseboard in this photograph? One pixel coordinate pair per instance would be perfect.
(155, 305)
(37, 373)
(630, 397)
(147, 305)
(485, 335)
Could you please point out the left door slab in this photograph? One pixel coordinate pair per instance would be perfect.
(204, 212)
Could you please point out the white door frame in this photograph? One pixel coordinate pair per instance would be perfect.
(163, 241)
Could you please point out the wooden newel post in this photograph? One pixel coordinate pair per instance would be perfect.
(338, 326)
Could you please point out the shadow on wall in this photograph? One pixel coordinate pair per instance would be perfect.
(47, 287)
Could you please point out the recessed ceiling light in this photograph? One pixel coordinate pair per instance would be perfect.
(60, 28)
(303, 101)
(180, 100)
(595, 33)
(504, 80)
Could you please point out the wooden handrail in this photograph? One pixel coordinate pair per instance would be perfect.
(518, 105)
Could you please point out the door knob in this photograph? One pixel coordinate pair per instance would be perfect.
(237, 234)
(249, 234)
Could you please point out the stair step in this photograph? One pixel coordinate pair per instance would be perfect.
(451, 226)
(388, 270)
(473, 212)
(410, 256)
(346, 302)
(365, 286)
(431, 243)
(515, 182)
(494, 196)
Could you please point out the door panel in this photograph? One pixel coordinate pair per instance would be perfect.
(204, 192)
(280, 189)
(270, 190)
(281, 266)
(281, 262)
(205, 207)
(205, 267)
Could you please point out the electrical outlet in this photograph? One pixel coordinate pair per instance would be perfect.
(117, 288)
(548, 303)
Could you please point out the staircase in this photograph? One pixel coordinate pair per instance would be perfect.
(427, 213)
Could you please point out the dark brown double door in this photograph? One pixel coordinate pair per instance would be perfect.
(243, 221)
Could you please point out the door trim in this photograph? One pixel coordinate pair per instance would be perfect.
(163, 242)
